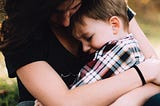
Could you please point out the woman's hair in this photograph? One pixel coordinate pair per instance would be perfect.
(24, 19)
(101, 10)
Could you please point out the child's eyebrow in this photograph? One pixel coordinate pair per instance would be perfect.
(84, 35)
(79, 36)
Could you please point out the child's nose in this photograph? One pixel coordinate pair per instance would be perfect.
(86, 48)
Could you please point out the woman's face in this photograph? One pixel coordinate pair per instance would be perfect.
(63, 13)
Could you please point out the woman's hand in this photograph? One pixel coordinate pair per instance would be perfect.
(143, 93)
(151, 69)
(156, 68)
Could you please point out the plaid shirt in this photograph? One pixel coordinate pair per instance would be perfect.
(122, 55)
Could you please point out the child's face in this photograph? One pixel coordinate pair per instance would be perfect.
(93, 35)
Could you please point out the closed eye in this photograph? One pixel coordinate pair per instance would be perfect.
(89, 38)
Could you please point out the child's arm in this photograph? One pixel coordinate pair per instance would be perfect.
(138, 96)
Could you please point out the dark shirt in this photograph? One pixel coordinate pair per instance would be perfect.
(43, 46)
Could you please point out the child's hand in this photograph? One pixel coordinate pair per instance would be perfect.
(156, 62)
(37, 103)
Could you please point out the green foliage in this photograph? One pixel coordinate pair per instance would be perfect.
(8, 87)
(2, 12)
(8, 92)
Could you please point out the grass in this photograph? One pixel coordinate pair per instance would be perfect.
(9, 96)
(8, 87)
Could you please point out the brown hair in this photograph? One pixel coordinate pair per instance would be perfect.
(25, 18)
(101, 10)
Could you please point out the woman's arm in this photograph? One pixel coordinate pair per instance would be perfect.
(46, 85)
(148, 51)
(144, 43)
(138, 96)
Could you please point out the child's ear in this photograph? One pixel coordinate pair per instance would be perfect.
(115, 23)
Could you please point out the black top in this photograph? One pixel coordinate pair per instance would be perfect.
(44, 46)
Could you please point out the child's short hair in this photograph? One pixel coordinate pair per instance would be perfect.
(101, 10)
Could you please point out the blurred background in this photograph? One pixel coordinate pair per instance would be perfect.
(147, 15)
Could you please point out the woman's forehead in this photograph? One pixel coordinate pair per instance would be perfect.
(67, 4)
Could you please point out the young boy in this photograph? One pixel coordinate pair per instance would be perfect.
(102, 28)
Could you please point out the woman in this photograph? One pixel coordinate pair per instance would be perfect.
(46, 59)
